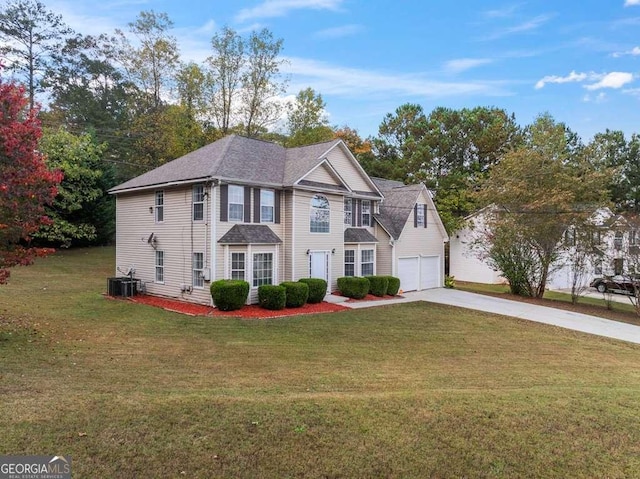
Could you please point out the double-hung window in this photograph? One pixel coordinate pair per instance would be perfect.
(349, 262)
(198, 270)
(320, 215)
(348, 211)
(238, 266)
(420, 216)
(198, 203)
(366, 263)
(159, 266)
(267, 205)
(366, 213)
(262, 269)
(159, 206)
(236, 203)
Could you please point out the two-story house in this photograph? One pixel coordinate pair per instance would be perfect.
(241, 208)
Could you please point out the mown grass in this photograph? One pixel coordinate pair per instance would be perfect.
(413, 390)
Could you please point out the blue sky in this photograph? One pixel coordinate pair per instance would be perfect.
(578, 60)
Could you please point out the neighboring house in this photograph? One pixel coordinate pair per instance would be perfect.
(465, 259)
(612, 239)
(248, 209)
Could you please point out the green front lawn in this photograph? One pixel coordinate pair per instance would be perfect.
(413, 390)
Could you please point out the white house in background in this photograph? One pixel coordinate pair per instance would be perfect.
(465, 261)
(242, 208)
(612, 239)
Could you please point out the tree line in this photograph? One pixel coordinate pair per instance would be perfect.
(118, 104)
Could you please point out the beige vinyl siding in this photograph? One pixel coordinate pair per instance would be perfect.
(422, 241)
(322, 175)
(287, 221)
(177, 236)
(383, 251)
(305, 240)
(350, 173)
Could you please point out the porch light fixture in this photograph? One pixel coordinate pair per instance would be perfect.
(308, 252)
(150, 209)
(333, 251)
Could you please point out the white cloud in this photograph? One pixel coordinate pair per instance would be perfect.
(524, 27)
(571, 77)
(280, 8)
(461, 64)
(635, 51)
(504, 12)
(629, 3)
(611, 80)
(599, 98)
(356, 83)
(339, 32)
(632, 91)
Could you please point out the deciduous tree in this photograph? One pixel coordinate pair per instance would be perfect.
(307, 121)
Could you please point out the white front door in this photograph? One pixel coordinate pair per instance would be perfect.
(319, 265)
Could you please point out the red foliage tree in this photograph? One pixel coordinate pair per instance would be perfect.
(26, 184)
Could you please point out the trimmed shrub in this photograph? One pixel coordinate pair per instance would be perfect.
(297, 293)
(394, 285)
(317, 289)
(378, 285)
(229, 294)
(272, 296)
(449, 282)
(354, 287)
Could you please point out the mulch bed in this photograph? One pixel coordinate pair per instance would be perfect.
(252, 311)
(371, 297)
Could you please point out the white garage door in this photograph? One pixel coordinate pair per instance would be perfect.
(429, 272)
(409, 273)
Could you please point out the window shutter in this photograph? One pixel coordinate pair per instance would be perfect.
(276, 208)
(247, 204)
(424, 209)
(359, 212)
(415, 215)
(354, 216)
(256, 205)
(224, 202)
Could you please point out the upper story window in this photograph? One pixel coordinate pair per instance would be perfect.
(319, 215)
(159, 206)
(236, 203)
(420, 215)
(617, 240)
(267, 206)
(348, 211)
(198, 203)
(366, 213)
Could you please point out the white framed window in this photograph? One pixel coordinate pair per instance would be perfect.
(366, 262)
(238, 266)
(159, 206)
(236, 203)
(366, 213)
(420, 216)
(348, 211)
(349, 262)
(262, 269)
(198, 270)
(198, 203)
(159, 266)
(617, 240)
(320, 214)
(267, 205)
(632, 237)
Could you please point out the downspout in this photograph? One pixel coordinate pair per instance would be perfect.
(212, 214)
(394, 267)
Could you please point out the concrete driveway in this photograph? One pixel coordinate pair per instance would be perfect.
(517, 309)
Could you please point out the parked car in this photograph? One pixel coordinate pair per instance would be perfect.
(616, 284)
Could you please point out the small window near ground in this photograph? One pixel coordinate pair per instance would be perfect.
(159, 206)
(198, 270)
(238, 266)
(349, 262)
(262, 269)
(159, 266)
(236, 203)
(366, 262)
(267, 203)
(198, 203)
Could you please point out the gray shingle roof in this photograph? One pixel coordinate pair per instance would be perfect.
(398, 203)
(236, 158)
(250, 234)
(358, 235)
